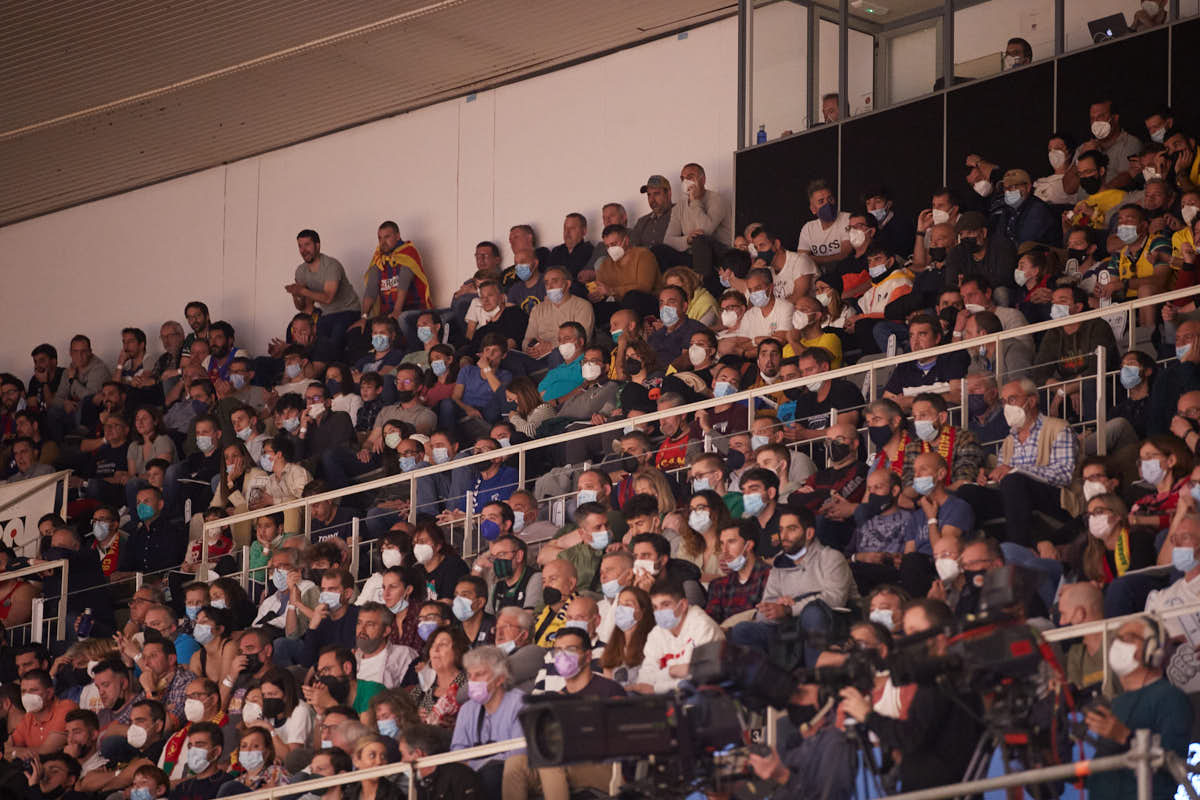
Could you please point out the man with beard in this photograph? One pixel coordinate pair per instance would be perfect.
(395, 284)
(321, 283)
(222, 351)
(337, 683)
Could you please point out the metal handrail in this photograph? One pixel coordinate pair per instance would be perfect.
(1128, 307)
(386, 771)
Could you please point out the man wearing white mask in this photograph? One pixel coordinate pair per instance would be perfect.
(1017, 53)
(626, 274)
(1107, 137)
(203, 704)
(769, 316)
(568, 375)
(1148, 702)
(1069, 353)
(943, 210)
(1183, 545)
(1036, 464)
(701, 224)
(205, 746)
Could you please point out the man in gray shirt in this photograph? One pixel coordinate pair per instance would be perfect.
(700, 228)
(651, 229)
(321, 282)
(83, 378)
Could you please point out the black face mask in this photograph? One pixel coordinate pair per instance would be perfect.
(970, 244)
(839, 451)
(628, 464)
(272, 707)
(339, 688)
(937, 253)
(879, 435)
(405, 397)
(1090, 185)
(1077, 254)
(949, 316)
(253, 664)
(550, 595)
(794, 394)
(878, 503)
(799, 715)
(632, 366)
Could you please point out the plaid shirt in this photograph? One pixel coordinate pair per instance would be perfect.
(174, 696)
(726, 596)
(1063, 451)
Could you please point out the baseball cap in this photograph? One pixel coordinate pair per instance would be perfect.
(656, 182)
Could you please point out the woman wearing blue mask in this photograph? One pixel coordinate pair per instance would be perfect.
(214, 659)
(707, 517)
(286, 479)
(1136, 377)
(392, 711)
(624, 651)
(256, 767)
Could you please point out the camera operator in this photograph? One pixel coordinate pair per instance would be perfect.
(1147, 702)
(937, 739)
(821, 762)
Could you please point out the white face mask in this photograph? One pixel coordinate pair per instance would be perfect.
(32, 703)
(591, 371)
(1188, 213)
(857, 238)
(1093, 489)
(983, 188)
(696, 355)
(1122, 658)
(567, 350)
(1014, 416)
(947, 568)
(422, 552)
(616, 252)
(136, 735)
(1057, 158)
(1099, 525)
(823, 298)
(251, 712)
(940, 217)
(193, 710)
(1101, 128)
(391, 557)
(800, 320)
(729, 318)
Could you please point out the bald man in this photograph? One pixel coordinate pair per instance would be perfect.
(1079, 603)
(833, 493)
(1177, 378)
(559, 581)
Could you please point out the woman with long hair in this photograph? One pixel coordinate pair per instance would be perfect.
(1112, 547)
(237, 482)
(214, 658)
(707, 517)
(1163, 470)
(258, 765)
(624, 652)
(390, 712)
(228, 594)
(531, 411)
(288, 718)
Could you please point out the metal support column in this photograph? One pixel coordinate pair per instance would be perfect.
(948, 45)
(745, 70)
(843, 66)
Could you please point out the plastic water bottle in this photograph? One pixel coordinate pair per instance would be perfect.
(761, 138)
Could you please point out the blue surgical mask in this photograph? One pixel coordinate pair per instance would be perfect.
(1195, 492)
(279, 579)
(1183, 558)
(1060, 311)
(600, 539)
(503, 441)
(192, 612)
(250, 759)
(291, 424)
(292, 371)
(586, 496)
(611, 589)
(925, 429)
(700, 485)
(267, 461)
(1131, 375)
(623, 618)
(380, 341)
(753, 504)
(668, 315)
(237, 380)
(554, 295)
(100, 529)
(204, 444)
(509, 647)
(722, 388)
(441, 455)
(666, 618)
(616, 336)
(387, 727)
(140, 793)
(923, 484)
(408, 463)
(438, 366)
(202, 633)
(424, 333)
(197, 759)
(1127, 233)
(1151, 470)
(1012, 197)
(879, 213)
(699, 520)
(736, 564)
(524, 271)
(759, 298)
(1182, 350)
(400, 606)
(462, 608)
(426, 629)
(331, 599)
(145, 512)
(757, 441)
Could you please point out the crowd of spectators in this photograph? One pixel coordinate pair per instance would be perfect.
(808, 509)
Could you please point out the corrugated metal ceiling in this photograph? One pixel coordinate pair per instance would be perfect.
(101, 97)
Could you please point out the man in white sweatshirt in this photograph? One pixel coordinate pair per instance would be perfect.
(679, 629)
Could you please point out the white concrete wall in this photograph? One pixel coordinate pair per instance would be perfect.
(450, 174)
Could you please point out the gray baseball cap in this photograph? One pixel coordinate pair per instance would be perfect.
(656, 182)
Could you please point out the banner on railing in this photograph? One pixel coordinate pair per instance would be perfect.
(21, 510)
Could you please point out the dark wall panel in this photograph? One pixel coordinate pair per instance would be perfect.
(900, 148)
(771, 181)
(1006, 119)
(1185, 78)
(1132, 72)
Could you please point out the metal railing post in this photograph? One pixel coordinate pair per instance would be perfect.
(138, 580)
(1101, 405)
(412, 500)
(1143, 770)
(470, 509)
(202, 571)
(520, 469)
(354, 541)
(308, 522)
(62, 602)
(246, 567)
(37, 618)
